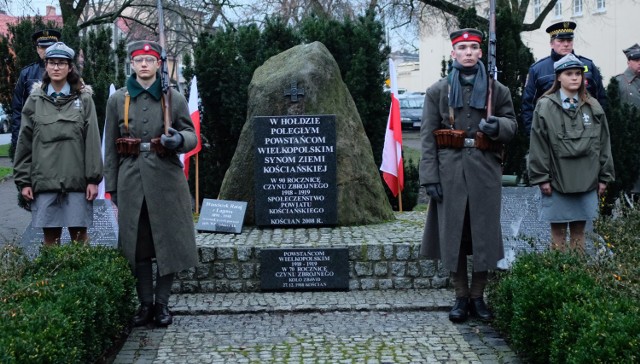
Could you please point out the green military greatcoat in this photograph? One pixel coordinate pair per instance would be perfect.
(148, 177)
(468, 176)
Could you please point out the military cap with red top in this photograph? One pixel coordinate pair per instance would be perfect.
(45, 37)
(144, 47)
(562, 30)
(466, 35)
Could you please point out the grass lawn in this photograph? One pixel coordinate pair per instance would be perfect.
(4, 152)
(410, 153)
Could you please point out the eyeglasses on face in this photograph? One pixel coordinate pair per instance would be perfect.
(58, 64)
(147, 60)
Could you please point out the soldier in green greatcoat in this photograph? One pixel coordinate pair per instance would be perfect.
(144, 176)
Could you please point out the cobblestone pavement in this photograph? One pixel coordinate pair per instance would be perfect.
(405, 326)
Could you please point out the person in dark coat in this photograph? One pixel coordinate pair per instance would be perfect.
(28, 76)
(144, 176)
(461, 171)
(541, 74)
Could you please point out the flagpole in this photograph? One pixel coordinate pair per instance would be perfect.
(197, 186)
(399, 198)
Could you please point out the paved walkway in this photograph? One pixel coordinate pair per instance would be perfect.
(405, 326)
(386, 326)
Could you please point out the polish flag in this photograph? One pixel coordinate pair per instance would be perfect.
(392, 167)
(101, 194)
(195, 118)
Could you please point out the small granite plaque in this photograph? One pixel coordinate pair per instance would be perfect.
(103, 232)
(289, 269)
(295, 170)
(222, 216)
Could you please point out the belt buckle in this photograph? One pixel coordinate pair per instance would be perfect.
(469, 143)
(145, 147)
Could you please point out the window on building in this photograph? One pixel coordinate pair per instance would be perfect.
(577, 7)
(557, 10)
(601, 5)
(537, 8)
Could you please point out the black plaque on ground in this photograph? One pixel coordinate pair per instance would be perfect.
(295, 170)
(103, 232)
(222, 216)
(295, 269)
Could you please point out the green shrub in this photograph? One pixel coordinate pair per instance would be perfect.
(567, 308)
(67, 306)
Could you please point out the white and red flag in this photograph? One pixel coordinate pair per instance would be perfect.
(101, 194)
(392, 166)
(195, 118)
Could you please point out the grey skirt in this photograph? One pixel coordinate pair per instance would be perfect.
(567, 207)
(53, 209)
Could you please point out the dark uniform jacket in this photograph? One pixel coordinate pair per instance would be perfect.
(629, 87)
(28, 76)
(540, 79)
(148, 177)
(468, 177)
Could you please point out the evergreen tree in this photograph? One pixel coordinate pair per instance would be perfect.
(359, 49)
(513, 58)
(99, 67)
(228, 58)
(624, 130)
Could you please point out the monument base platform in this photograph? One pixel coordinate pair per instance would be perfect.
(381, 256)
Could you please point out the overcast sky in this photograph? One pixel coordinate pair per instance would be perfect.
(31, 7)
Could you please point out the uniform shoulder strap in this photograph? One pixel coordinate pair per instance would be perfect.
(127, 99)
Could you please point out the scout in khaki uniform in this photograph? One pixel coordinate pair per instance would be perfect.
(58, 164)
(461, 171)
(570, 155)
(145, 179)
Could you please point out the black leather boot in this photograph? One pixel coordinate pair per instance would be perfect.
(144, 314)
(479, 309)
(460, 311)
(163, 316)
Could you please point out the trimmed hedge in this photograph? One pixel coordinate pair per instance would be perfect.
(68, 305)
(555, 308)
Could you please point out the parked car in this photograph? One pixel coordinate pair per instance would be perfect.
(411, 110)
(5, 123)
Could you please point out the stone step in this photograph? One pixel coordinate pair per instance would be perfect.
(381, 256)
(306, 302)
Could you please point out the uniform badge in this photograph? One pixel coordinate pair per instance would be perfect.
(586, 120)
(77, 104)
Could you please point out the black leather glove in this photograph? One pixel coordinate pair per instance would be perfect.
(434, 190)
(491, 127)
(114, 197)
(173, 141)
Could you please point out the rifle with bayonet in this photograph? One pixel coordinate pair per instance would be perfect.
(492, 68)
(164, 70)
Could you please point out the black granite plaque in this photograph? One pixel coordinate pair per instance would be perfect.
(103, 232)
(290, 269)
(222, 216)
(295, 170)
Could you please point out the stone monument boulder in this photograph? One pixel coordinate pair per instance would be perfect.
(306, 80)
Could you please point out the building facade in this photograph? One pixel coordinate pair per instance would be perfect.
(605, 28)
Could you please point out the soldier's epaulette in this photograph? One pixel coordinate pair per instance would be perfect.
(27, 66)
(540, 60)
(583, 58)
